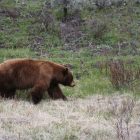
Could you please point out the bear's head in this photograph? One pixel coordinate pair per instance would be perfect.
(68, 78)
(63, 75)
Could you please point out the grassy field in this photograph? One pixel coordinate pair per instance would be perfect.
(96, 109)
(94, 117)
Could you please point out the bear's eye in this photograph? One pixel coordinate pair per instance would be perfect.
(65, 71)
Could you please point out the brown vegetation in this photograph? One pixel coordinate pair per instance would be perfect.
(121, 75)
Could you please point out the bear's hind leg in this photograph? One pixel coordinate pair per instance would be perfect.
(8, 93)
(11, 94)
(56, 93)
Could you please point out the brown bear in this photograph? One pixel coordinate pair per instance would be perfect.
(39, 75)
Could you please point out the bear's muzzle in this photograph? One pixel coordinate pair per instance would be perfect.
(72, 84)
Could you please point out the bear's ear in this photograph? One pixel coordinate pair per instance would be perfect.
(65, 71)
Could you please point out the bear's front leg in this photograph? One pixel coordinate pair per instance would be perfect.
(56, 93)
(37, 94)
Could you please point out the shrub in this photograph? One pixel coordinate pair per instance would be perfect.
(122, 76)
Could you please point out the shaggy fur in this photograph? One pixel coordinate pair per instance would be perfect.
(39, 75)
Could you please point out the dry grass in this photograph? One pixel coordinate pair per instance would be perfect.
(122, 76)
(96, 117)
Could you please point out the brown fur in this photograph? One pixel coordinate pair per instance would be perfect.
(56, 93)
(39, 75)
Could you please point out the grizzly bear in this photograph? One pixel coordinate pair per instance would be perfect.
(40, 76)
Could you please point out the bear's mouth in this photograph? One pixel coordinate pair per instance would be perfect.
(72, 84)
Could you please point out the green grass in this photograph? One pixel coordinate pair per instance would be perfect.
(15, 53)
(88, 79)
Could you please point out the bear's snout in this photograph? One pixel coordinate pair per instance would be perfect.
(72, 84)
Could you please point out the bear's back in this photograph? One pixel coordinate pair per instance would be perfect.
(22, 72)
